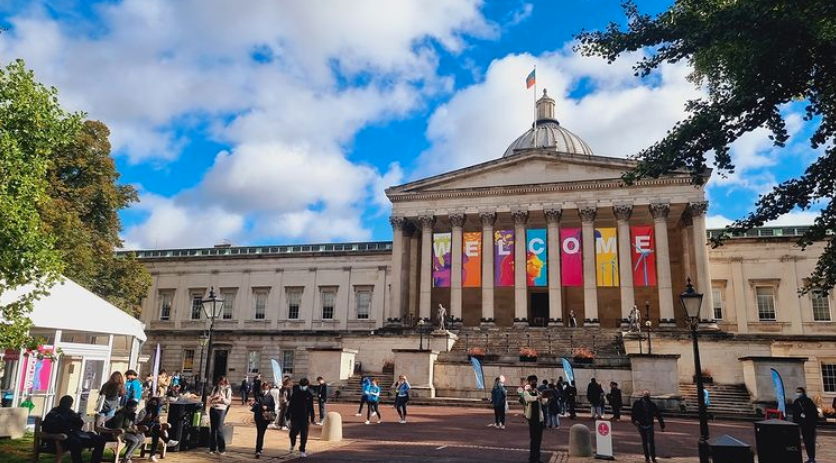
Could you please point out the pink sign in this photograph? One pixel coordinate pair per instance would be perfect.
(571, 257)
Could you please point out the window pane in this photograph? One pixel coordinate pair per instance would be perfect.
(821, 307)
(328, 305)
(828, 375)
(260, 305)
(197, 306)
(165, 306)
(229, 304)
(253, 361)
(188, 360)
(717, 295)
(766, 303)
(287, 361)
(294, 300)
(364, 300)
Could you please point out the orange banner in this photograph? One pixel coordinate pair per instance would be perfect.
(472, 260)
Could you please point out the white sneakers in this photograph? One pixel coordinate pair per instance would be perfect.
(154, 459)
(258, 454)
(374, 413)
(501, 426)
(367, 422)
(357, 414)
(172, 443)
(303, 455)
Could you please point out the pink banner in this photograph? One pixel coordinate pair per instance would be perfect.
(503, 258)
(571, 257)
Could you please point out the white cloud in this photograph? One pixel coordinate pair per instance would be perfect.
(794, 218)
(717, 221)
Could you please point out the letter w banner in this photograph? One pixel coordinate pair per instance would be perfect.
(567, 370)
(643, 251)
(472, 260)
(571, 257)
(606, 257)
(277, 371)
(779, 391)
(480, 375)
(442, 260)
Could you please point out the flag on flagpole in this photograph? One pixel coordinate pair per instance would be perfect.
(156, 371)
(277, 371)
(530, 80)
(477, 370)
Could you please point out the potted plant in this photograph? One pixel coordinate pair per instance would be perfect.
(706, 377)
(528, 354)
(477, 352)
(583, 355)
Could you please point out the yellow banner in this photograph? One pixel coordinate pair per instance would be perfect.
(606, 256)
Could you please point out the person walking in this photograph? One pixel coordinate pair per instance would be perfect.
(595, 396)
(643, 414)
(561, 395)
(806, 415)
(110, 397)
(63, 420)
(364, 394)
(374, 399)
(244, 391)
(499, 400)
(219, 402)
(553, 408)
(163, 381)
(321, 398)
(299, 409)
(125, 420)
(133, 387)
(264, 412)
(276, 394)
(256, 386)
(533, 401)
(402, 388)
(616, 401)
(149, 424)
(284, 401)
(571, 399)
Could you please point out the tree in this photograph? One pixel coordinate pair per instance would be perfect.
(753, 57)
(32, 127)
(82, 216)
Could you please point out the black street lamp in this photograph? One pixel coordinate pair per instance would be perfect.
(691, 301)
(203, 339)
(212, 307)
(649, 326)
(421, 334)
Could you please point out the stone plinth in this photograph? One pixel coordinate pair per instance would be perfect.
(419, 368)
(657, 373)
(333, 364)
(757, 376)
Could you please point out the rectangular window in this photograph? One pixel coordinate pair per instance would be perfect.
(197, 306)
(229, 304)
(364, 303)
(288, 357)
(165, 305)
(821, 306)
(188, 360)
(260, 304)
(717, 295)
(253, 361)
(294, 300)
(328, 298)
(766, 302)
(828, 376)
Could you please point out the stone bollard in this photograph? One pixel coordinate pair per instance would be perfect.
(580, 441)
(332, 428)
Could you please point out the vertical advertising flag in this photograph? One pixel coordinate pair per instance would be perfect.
(472, 260)
(567, 370)
(571, 257)
(643, 250)
(780, 394)
(606, 257)
(477, 370)
(503, 260)
(442, 259)
(156, 370)
(536, 257)
(277, 371)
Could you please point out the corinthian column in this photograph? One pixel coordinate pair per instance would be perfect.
(488, 219)
(457, 222)
(703, 284)
(396, 303)
(553, 215)
(625, 266)
(427, 222)
(520, 289)
(590, 289)
(660, 211)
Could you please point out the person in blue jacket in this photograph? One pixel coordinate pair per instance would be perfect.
(133, 387)
(499, 400)
(374, 399)
(364, 398)
(401, 397)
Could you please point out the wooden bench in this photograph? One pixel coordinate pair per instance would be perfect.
(47, 443)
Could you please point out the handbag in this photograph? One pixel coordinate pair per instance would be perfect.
(269, 416)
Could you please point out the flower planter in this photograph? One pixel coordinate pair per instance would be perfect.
(528, 359)
(583, 360)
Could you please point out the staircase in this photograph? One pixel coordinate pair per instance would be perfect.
(351, 392)
(727, 401)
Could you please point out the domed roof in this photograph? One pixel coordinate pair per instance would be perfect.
(549, 133)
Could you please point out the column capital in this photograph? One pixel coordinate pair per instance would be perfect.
(687, 218)
(588, 213)
(698, 208)
(622, 212)
(487, 218)
(427, 221)
(660, 210)
(553, 214)
(398, 222)
(520, 217)
(457, 219)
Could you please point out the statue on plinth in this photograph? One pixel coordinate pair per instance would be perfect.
(634, 319)
(442, 315)
(573, 322)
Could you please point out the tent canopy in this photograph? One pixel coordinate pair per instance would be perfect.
(71, 307)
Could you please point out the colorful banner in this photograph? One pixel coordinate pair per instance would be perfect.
(780, 394)
(571, 257)
(477, 370)
(503, 260)
(36, 373)
(643, 248)
(606, 257)
(442, 259)
(536, 257)
(472, 260)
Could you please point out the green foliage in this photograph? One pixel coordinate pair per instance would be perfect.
(752, 57)
(32, 127)
(82, 215)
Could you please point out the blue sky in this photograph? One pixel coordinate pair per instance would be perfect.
(280, 122)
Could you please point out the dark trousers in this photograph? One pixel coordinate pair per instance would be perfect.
(363, 400)
(499, 414)
(297, 428)
(372, 408)
(77, 442)
(808, 433)
(260, 429)
(571, 405)
(244, 397)
(321, 410)
(281, 420)
(156, 432)
(616, 412)
(216, 435)
(400, 406)
(535, 433)
(648, 442)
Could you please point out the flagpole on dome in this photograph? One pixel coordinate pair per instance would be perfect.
(531, 81)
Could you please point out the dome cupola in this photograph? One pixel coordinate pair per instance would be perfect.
(549, 133)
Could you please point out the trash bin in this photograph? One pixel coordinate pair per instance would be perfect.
(778, 441)
(727, 449)
(180, 416)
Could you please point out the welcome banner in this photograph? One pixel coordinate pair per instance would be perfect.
(536, 257)
(571, 257)
(643, 250)
(606, 257)
(472, 260)
(503, 261)
(442, 259)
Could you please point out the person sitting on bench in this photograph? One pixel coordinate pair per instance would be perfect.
(148, 422)
(63, 420)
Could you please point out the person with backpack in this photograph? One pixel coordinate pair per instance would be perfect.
(63, 420)
(499, 400)
(402, 388)
(264, 413)
(244, 390)
(571, 399)
(595, 396)
(806, 415)
(321, 398)
(298, 410)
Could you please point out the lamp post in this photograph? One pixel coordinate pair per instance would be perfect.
(649, 326)
(204, 338)
(691, 301)
(421, 334)
(212, 307)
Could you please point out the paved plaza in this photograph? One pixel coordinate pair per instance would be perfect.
(461, 435)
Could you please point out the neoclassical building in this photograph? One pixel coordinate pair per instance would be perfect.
(544, 238)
